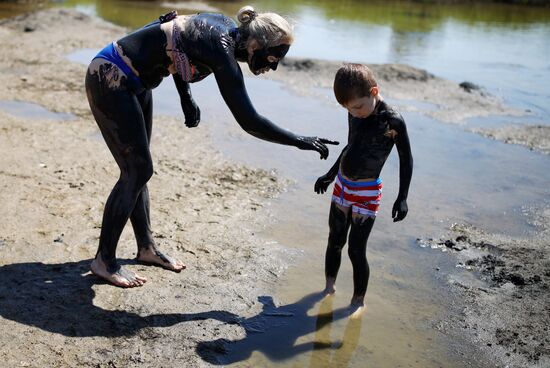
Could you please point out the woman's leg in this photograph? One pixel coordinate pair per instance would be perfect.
(140, 216)
(339, 222)
(361, 227)
(121, 121)
(147, 250)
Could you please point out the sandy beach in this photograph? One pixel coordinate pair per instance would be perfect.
(56, 175)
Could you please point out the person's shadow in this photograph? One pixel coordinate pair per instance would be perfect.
(58, 298)
(274, 332)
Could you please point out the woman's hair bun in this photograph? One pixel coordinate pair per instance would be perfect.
(246, 14)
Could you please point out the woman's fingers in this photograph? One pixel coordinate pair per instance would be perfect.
(327, 141)
(321, 148)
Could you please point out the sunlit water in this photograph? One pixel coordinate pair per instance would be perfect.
(459, 176)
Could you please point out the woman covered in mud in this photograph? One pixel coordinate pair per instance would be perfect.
(119, 83)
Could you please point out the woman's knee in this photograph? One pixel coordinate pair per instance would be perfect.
(139, 168)
(143, 173)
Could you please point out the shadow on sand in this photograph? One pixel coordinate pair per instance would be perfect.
(58, 298)
(275, 330)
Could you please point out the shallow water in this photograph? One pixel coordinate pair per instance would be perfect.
(503, 48)
(31, 111)
(455, 179)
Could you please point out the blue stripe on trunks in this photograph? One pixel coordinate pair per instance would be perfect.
(110, 53)
(352, 184)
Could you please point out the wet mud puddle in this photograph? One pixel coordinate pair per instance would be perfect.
(455, 179)
(28, 110)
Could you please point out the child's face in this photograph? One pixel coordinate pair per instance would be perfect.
(362, 107)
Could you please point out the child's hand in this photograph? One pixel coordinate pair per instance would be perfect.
(400, 209)
(322, 183)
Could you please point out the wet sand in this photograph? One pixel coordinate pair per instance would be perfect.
(507, 310)
(535, 137)
(56, 176)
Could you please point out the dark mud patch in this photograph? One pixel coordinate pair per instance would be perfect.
(507, 310)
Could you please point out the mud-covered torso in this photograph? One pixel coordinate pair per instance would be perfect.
(370, 142)
(206, 39)
(146, 48)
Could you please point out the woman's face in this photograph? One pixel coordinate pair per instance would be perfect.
(262, 59)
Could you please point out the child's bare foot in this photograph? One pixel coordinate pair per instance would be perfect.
(357, 307)
(330, 289)
(357, 311)
(121, 277)
(151, 255)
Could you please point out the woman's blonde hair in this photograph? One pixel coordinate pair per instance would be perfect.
(268, 29)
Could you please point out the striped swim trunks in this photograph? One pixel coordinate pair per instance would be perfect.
(362, 196)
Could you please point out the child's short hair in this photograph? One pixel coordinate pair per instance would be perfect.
(353, 81)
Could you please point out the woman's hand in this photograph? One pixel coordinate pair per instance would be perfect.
(322, 183)
(192, 114)
(315, 144)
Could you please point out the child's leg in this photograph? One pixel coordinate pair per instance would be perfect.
(361, 227)
(339, 222)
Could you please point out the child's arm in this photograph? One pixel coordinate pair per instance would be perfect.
(403, 145)
(324, 181)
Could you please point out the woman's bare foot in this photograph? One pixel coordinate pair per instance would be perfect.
(121, 277)
(151, 255)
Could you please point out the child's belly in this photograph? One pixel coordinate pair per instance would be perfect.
(360, 163)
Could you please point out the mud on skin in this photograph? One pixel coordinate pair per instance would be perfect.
(123, 112)
(370, 141)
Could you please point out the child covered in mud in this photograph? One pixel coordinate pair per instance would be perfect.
(374, 128)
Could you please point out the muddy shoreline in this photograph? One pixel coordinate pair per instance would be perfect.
(56, 176)
(505, 298)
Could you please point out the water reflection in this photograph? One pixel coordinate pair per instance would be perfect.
(342, 350)
(275, 331)
(401, 16)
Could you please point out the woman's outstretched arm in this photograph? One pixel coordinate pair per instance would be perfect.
(231, 84)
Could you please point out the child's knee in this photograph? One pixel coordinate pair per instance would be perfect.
(357, 253)
(337, 239)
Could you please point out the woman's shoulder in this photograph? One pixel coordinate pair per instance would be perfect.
(210, 37)
(218, 21)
